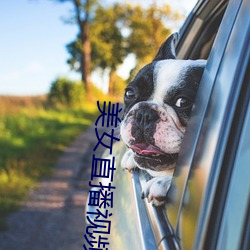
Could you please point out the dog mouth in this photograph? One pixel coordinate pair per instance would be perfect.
(151, 153)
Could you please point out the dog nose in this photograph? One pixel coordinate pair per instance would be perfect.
(145, 117)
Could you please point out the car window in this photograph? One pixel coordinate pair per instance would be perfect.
(202, 23)
(198, 33)
(208, 130)
(163, 232)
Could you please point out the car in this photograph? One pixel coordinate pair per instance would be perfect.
(208, 202)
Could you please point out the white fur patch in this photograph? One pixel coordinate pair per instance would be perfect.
(125, 132)
(167, 138)
(169, 73)
(127, 162)
(157, 188)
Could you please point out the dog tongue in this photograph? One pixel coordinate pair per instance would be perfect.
(145, 149)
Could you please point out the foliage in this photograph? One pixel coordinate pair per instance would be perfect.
(147, 30)
(31, 138)
(107, 34)
(74, 48)
(65, 92)
(83, 13)
(117, 86)
(119, 30)
(108, 48)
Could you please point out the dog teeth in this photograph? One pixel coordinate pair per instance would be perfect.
(155, 155)
(148, 156)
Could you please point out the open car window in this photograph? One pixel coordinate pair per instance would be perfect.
(196, 41)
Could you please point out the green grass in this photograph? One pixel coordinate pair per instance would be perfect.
(31, 139)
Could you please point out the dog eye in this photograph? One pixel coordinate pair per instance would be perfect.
(130, 94)
(183, 102)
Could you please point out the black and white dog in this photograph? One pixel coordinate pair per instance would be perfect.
(158, 103)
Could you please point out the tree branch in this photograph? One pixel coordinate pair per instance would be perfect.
(78, 14)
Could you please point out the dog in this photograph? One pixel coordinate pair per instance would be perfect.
(158, 103)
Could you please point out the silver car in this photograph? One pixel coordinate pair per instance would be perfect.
(212, 179)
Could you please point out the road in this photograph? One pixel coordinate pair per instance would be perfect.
(54, 218)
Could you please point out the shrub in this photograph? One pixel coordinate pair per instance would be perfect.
(65, 92)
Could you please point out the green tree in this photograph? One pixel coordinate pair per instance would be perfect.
(108, 45)
(148, 31)
(108, 48)
(119, 30)
(83, 16)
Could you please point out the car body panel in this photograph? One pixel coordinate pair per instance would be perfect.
(125, 225)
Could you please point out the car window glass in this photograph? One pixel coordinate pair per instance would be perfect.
(236, 207)
(188, 214)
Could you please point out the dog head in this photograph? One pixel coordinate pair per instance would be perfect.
(158, 102)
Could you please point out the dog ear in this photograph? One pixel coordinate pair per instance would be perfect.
(167, 49)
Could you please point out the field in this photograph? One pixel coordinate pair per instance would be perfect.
(32, 136)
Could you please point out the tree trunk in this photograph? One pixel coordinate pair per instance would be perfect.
(86, 57)
(111, 82)
(86, 45)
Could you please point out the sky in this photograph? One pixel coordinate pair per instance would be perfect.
(32, 44)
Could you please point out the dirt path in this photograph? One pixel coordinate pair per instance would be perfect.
(54, 216)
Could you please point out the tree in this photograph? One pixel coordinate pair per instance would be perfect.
(83, 16)
(148, 31)
(119, 30)
(108, 48)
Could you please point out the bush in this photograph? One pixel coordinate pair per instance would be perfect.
(65, 92)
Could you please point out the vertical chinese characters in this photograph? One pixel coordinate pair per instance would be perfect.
(100, 195)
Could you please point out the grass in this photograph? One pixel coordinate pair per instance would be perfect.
(31, 139)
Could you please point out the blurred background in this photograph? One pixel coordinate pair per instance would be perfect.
(57, 58)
